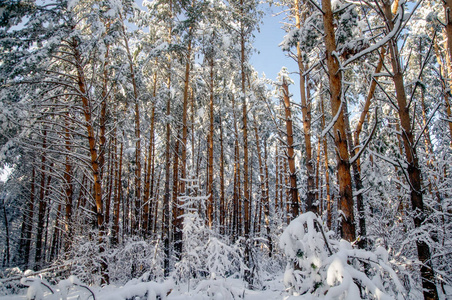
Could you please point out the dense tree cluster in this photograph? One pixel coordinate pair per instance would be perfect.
(143, 143)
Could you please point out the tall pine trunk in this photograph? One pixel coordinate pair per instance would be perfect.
(306, 112)
(68, 190)
(87, 110)
(166, 200)
(347, 227)
(414, 171)
(294, 206)
(29, 218)
(137, 205)
(210, 200)
(42, 205)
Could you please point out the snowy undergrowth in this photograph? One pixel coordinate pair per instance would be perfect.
(321, 267)
(212, 268)
(217, 288)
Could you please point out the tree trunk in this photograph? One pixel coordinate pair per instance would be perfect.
(151, 163)
(147, 185)
(167, 196)
(285, 174)
(137, 205)
(237, 190)
(306, 112)
(68, 191)
(109, 182)
(223, 211)
(185, 111)
(262, 198)
(294, 207)
(177, 234)
(246, 189)
(414, 171)
(166, 200)
(327, 170)
(29, 222)
(56, 236)
(362, 243)
(118, 193)
(277, 198)
(42, 205)
(180, 221)
(5, 218)
(445, 86)
(103, 112)
(87, 110)
(156, 208)
(317, 180)
(347, 227)
(47, 214)
(210, 148)
(448, 17)
(267, 202)
(91, 136)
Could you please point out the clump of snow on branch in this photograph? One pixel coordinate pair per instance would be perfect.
(283, 76)
(322, 267)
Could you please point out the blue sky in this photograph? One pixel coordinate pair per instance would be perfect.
(270, 58)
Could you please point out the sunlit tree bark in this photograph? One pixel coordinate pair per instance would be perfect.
(347, 227)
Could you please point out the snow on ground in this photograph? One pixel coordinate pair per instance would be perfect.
(218, 289)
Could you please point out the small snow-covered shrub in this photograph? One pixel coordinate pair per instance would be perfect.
(86, 261)
(205, 253)
(195, 235)
(223, 260)
(11, 286)
(135, 258)
(322, 267)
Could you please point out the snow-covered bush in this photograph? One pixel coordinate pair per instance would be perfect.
(136, 258)
(10, 286)
(322, 267)
(85, 261)
(205, 253)
(223, 259)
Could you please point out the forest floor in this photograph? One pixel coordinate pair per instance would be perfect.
(218, 289)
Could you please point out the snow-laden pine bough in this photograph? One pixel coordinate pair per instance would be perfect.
(322, 267)
(39, 288)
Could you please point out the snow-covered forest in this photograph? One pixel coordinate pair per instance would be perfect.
(144, 157)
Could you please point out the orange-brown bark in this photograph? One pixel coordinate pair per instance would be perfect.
(414, 171)
(306, 112)
(294, 206)
(340, 137)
